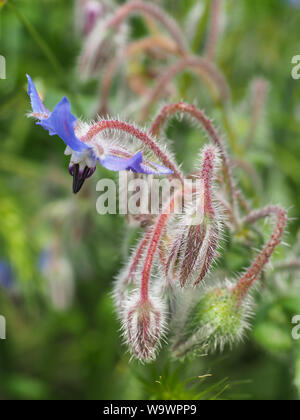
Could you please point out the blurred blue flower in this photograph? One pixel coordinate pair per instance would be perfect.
(84, 156)
(6, 275)
(295, 3)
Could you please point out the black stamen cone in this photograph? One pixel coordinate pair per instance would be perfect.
(79, 178)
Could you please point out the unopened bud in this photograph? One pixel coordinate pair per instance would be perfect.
(216, 317)
(196, 251)
(143, 325)
(87, 13)
(194, 246)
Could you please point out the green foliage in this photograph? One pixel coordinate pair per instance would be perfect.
(76, 352)
(170, 386)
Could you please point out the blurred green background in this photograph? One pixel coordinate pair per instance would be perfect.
(58, 257)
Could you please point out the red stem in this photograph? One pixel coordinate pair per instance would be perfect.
(214, 30)
(207, 174)
(139, 253)
(169, 110)
(154, 11)
(157, 232)
(137, 133)
(194, 63)
(110, 70)
(263, 257)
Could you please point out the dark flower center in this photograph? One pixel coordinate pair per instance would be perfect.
(80, 176)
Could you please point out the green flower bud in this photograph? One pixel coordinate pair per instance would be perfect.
(215, 317)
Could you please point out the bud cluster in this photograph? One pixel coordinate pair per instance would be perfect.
(169, 282)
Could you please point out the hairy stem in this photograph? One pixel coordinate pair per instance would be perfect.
(207, 175)
(139, 254)
(154, 11)
(169, 110)
(120, 126)
(263, 257)
(154, 241)
(214, 30)
(201, 66)
(134, 48)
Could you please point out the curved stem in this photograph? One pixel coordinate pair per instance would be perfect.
(153, 11)
(200, 65)
(134, 48)
(263, 257)
(214, 30)
(154, 241)
(156, 41)
(118, 126)
(169, 110)
(139, 254)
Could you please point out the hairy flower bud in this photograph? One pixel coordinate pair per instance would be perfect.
(194, 252)
(194, 245)
(89, 11)
(143, 325)
(209, 320)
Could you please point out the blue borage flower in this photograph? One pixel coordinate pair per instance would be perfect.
(295, 3)
(6, 275)
(84, 156)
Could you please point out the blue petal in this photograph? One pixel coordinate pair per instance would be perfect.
(151, 168)
(115, 163)
(62, 123)
(36, 102)
(134, 164)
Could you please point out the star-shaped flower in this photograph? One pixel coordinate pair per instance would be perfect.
(86, 154)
